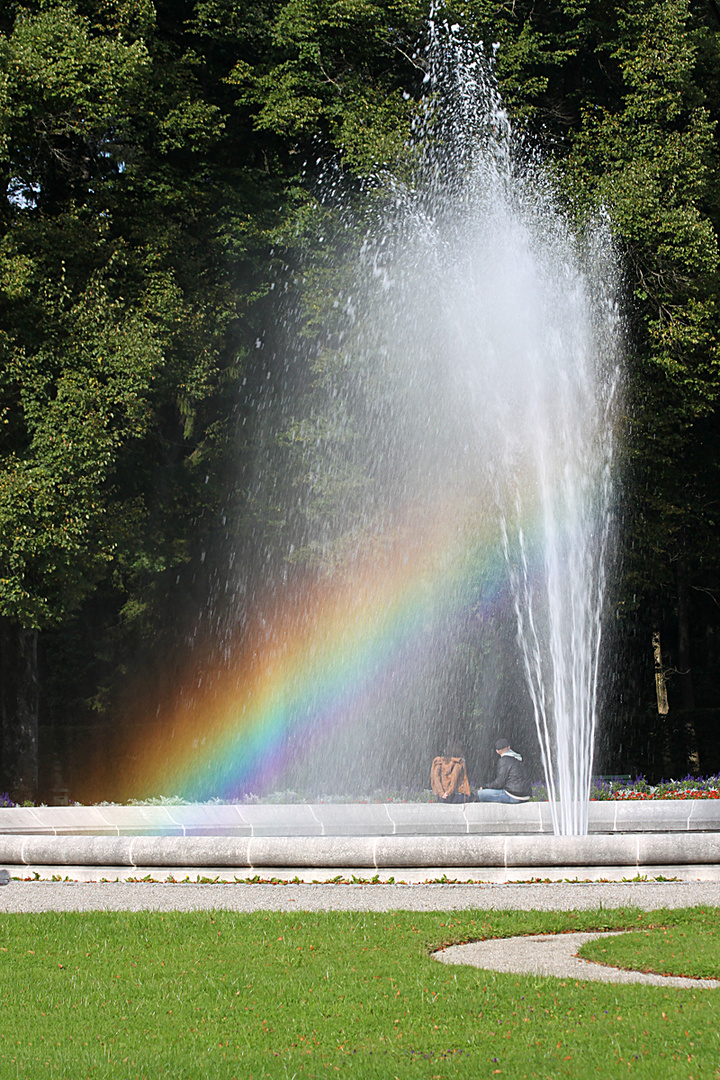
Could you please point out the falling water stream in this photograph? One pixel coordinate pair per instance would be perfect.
(430, 552)
(466, 367)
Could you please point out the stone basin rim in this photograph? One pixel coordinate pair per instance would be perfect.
(354, 819)
(631, 850)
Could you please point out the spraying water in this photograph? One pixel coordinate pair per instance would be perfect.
(462, 366)
(472, 362)
(433, 496)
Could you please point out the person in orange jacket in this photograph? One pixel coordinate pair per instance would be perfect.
(449, 778)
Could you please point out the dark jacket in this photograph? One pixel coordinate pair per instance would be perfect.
(511, 776)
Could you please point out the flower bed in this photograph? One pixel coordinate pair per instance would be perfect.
(690, 787)
(621, 789)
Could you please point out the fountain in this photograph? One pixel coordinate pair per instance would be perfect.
(444, 446)
(433, 533)
(428, 530)
(423, 553)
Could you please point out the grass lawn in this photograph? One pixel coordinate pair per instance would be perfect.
(218, 994)
(680, 947)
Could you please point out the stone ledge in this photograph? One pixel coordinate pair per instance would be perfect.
(149, 852)
(353, 819)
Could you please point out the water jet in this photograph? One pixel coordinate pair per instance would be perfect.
(432, 503)
(440, 456)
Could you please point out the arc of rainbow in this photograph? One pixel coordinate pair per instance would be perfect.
(326, 650)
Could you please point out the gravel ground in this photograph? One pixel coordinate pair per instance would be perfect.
(539, 955)
(555, 954)
(19, 896)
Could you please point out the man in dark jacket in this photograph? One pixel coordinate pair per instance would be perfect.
(511, 785)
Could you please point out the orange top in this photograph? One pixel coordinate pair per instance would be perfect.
(448, 776)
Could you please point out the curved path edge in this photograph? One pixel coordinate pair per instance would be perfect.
(556, 955)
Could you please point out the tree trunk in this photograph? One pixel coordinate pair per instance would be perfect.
(19, 710)
(662, 701)
(660, 686)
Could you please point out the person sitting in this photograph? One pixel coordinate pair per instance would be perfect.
(511, 785)
(449, 778)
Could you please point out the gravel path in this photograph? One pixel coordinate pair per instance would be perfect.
(29, 896)
(555, 954)
(544, 954)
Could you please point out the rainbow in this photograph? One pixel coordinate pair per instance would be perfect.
(311, 660)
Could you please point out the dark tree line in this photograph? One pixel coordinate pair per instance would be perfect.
(153, 162)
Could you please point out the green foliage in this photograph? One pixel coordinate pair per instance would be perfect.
(335, 70)
(272, 994)
(142, 167)
(114, 308)
(650, 160)
(63, 84)
(157, 164)
(83, 395)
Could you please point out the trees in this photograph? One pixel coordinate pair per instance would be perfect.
(114, 316)
(150, 158)
(651, 157)
(74, 379)
(144, 151)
